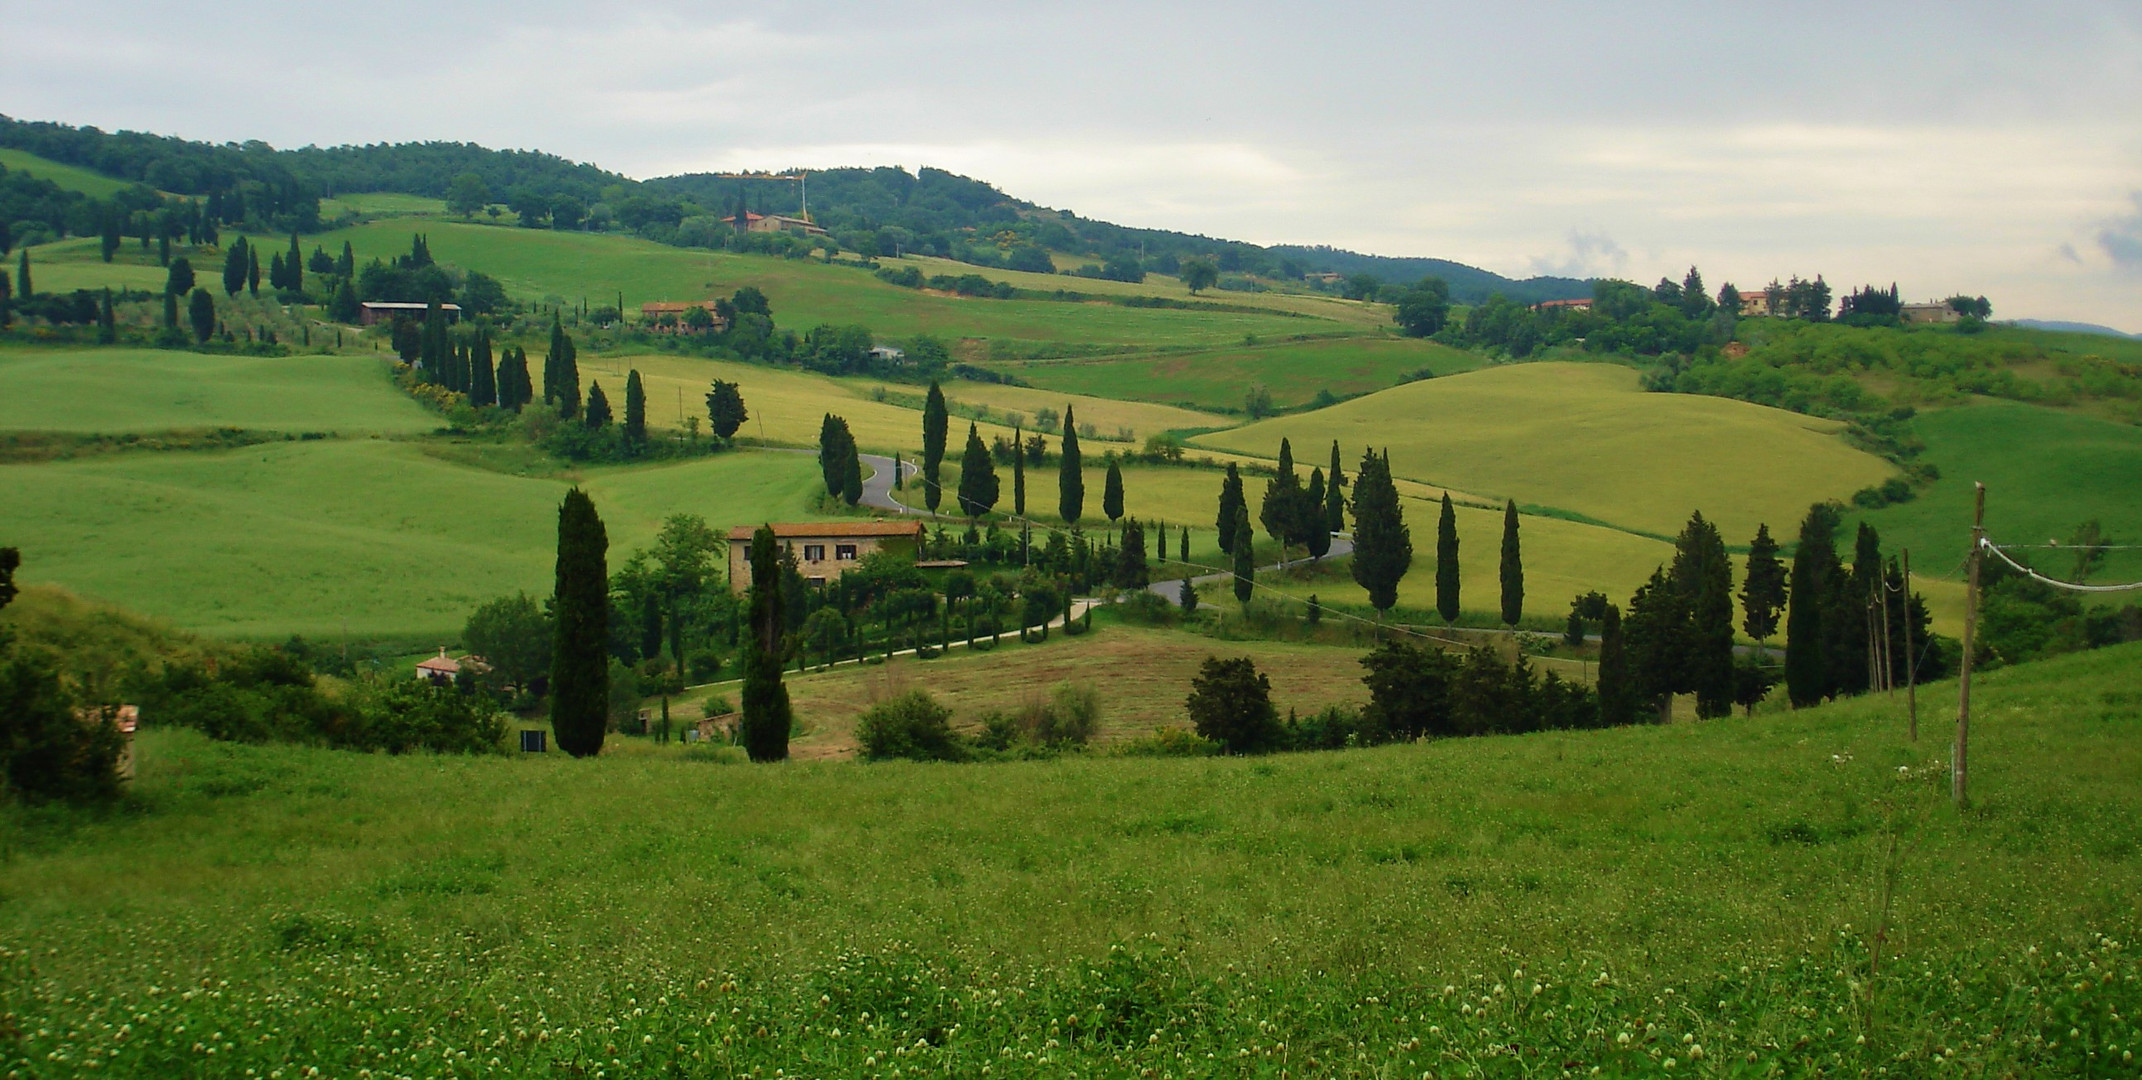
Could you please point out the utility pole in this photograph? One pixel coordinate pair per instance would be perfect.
(1889, 658)
(1911, 662)
(1959, 770)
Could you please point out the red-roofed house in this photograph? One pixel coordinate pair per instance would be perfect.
(824, 549)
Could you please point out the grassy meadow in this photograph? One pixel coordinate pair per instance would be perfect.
(72, 178)
(1583, 438)
(2045, 470)
(358, 536)
(1788, 895)
(1293, 371)
(118, 390)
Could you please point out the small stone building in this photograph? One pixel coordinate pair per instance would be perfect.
(824, 549)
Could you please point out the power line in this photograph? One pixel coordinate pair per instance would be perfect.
(1989, 545)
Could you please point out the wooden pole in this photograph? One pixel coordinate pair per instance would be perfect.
(1959, 769)
(1889, 654)
(1911, 661)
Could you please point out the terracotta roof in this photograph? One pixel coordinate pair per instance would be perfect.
(818, 530)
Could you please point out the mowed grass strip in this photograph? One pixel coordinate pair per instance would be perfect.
(370, 537)
(1585, 438)
(1293, 371)
(1183, 907)
(121, 390)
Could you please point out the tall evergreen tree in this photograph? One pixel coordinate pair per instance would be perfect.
(163, 250)
(1233, 504)
(851, 475)
(252, 270)
(109, 242)
(346, 265)
(1245, 556)
(1513, 568)
(170, 307)
(1657, 633)
(1070, 475)
(1018, 472)
(234, 264)
(1814, 566)
(1334, 494)
(432, 345)
(833, 443)
(1847, 624)
(1762, 594)
(1315, 500)
(1184, 551)
(1446, 561)
(766, 720)
(580, 653)
(1704, 575)
(1618, 701)
(201, 312)
(1283, 513)
(598, 410)
(294, 267)
(1112, 490)
(1131, 570)
(936, 424)
(635, 409)
(561, 371)
(483, 378)
(977, 477)
(725, 409)
(1383, 545)
(107, 328)
(275, 270)
(23, 286)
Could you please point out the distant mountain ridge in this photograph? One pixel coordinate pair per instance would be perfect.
(2073, 327)
(930, 211)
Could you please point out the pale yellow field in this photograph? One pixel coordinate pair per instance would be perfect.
(1584, 438)
(1351, 312)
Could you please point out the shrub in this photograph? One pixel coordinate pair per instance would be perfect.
(46, 750)
(404, 715)
(1072, 716)
(912, 725)
(1231, 704)
(1168, 742)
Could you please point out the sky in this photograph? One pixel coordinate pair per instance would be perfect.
(1957, 147)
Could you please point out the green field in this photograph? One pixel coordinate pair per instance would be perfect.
(381, 204)
(540, 263)
(93, 184)
(2046, 471)
(1583, 438)
(142, 390)
(367, 536)
(76, 263)
(1219, 379)
(1710, 894)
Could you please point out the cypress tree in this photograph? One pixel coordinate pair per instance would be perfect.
(1658, 633)
(1281, 511)
(598, 410)
(766, 720)
(1446, 562)
(23, 286)
(107, 329)
(7, 299)
(1814, 564)
(109, 243)
(170, 311)
(1018, 472)
(635, 408)
(1316, 500)
(1070, 475)
(833, 440)
(1513, 568)
(294, 267)
(1847, 623)
(346, 266)
(580, 655)
(1334, 495)
(1245, 557)
(1617, 697)
(275, 270)
(851, 475)
(163, 249)
(977, 477)
(1762, 593)
(568, 376)
(1112, 491)
(936, 423)
(252, 270)
(1184, 551)
(234, 262)
(178, 277)
(1131, 569)
(201, 311)
(1231, 503)
(1383, 546)
(483, 378)
(432, 345)
(1704, 575)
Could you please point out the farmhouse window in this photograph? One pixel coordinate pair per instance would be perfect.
(814, 553)
(844, 552)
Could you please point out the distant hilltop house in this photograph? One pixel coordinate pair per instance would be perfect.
(1760, 304)
(888, 354)
(442, 669)
(1580, 304)
(824, 550)
(1938, 311)
(124, 718)
(373, 311)
(774, 223)
(671, 317)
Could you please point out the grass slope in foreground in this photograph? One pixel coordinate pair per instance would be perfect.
(1582, 437)
(1369, 913)
(366, 536)
(141, 390)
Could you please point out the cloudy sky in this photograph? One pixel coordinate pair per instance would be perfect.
(1963, 146)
